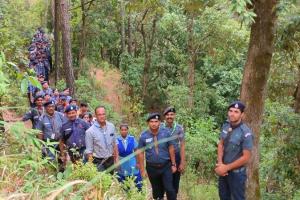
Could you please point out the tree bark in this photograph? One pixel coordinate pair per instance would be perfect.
(254, 82)
(56, 40)
(192, 60)
(129, 35)
(66, 43)
(297, 99)
(148, 41)
(122, 11)
(83, 35)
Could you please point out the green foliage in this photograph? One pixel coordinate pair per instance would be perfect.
(280, 147)
(201, 142)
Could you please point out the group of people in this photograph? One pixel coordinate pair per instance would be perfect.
(158, 154)
(40, 54)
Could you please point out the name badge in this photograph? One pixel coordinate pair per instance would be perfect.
(149, 140)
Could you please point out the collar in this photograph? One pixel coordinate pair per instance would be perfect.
(96, 123)
(235, 126)
(126, 138)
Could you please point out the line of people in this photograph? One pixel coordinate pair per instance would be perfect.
(159, 153)
(82, 138)
(40, 54)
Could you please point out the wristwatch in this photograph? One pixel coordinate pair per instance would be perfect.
(173, 164)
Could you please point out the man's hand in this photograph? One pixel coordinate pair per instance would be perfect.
(63, 159)
(181, 167)
(221, 169)
(144, 173)
(174, 169)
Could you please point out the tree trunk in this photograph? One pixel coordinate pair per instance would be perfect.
(56, 40)
(297, 99)
(129, 35)
(192, 61)
(148, 41)
(66, 43)
(254, 82)
(122, 11)
(83, 36)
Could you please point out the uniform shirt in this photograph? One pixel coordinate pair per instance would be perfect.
(127, 146)
(34, 115)
(73, 133)
(51, 126)
(147, 138)
(44, 92)
(176, 131)
(235, 141)
(100, 140)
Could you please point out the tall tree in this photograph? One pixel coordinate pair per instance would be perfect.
(297, 99)
(82, 46)
(122, 13)
(66, 44)
(56, 40)
(255, 78)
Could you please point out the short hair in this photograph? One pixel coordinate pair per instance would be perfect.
(124, 125)
(83, 104)
(99, 107)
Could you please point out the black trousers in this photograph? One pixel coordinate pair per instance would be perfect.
(103, 164)
(176, 175)
(161, 179)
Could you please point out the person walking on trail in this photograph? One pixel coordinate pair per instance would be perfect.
(62, 105)
(50, 124)
(160, 158)
(234, 151)
(127, 145)
(34, 113)
(176, 131)
(83, 109)
(100, 141)
(72, 139)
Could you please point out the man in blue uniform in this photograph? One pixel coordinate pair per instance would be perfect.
(176, 131)
(160, 158)
(50, 124)
(126, 146)
(34, 113)
(234, 151)
(72, 136)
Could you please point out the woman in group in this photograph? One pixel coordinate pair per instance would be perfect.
(126, 146)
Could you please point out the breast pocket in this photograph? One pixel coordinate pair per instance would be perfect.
(235, 142)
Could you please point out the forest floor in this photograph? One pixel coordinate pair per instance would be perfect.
(110, 82)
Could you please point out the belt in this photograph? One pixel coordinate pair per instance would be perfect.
(101, 160)
(156, 165)
(241, 169)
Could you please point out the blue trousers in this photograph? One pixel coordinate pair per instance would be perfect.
(137, 179)
(232, 186)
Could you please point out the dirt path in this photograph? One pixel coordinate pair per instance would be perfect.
(110, 82)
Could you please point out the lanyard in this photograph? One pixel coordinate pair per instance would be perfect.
(173, 128)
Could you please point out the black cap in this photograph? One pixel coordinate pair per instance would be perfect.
(153, 116)
(62, 97)
(51, 102)
(237, 104)
(169, 109)
(70, 108)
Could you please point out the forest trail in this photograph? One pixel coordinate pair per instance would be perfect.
(110, 82)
